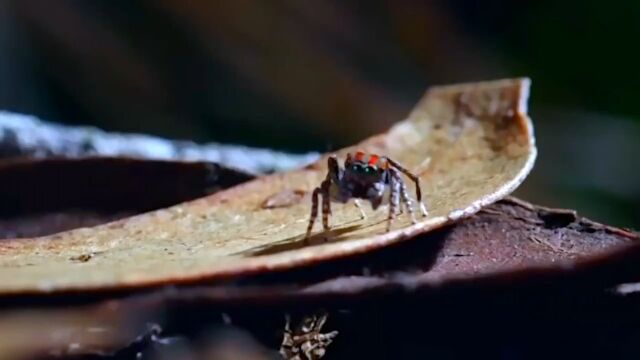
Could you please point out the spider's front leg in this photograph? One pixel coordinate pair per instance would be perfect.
(326, 204)
(334, 174)
(326, 208)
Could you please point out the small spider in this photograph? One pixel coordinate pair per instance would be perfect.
(365, 176)
(306, 342)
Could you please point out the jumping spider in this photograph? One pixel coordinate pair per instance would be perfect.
(365, 176)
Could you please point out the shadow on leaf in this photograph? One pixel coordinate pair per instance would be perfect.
(298, 241)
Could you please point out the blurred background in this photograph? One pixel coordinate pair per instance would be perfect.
(316, 75)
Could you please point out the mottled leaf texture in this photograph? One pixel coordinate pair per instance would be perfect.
(471, 144)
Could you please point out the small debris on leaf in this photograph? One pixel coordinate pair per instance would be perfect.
(283, 198)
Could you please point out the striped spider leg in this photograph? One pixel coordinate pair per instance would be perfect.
(306, 341)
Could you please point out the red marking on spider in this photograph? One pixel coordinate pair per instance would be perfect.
(373, 160)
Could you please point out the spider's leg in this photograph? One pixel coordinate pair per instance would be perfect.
(327, 338)
(406, 200)
(400, 210)
(335, 172)
(320, 320)
(423, 208)
(394, 198)
(334, 175)
(314, 211)
(326, 204)
(308, 348)
(413, 178)
(287, 324)
(318, 352)
(359, 206)
(287, 339)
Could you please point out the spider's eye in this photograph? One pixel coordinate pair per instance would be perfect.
(363, 169)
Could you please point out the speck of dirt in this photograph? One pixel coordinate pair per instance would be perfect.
(283, 198)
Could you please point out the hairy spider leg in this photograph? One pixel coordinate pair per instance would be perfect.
(287, 324)
(323, 191)
(319, 322)
(308, 349)
(413, 178)
(359, 206)
(314, 210)
(406, 200)
(326, 204)
(287, 340)
(389, 183)
(394, 196)
(321, 340)
(334, 174)
(311, 342)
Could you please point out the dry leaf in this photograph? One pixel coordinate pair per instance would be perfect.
(489, 254)
(472, 144)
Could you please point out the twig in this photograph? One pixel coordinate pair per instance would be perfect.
(28, 136)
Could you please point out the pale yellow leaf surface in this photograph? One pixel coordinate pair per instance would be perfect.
(471, 144)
